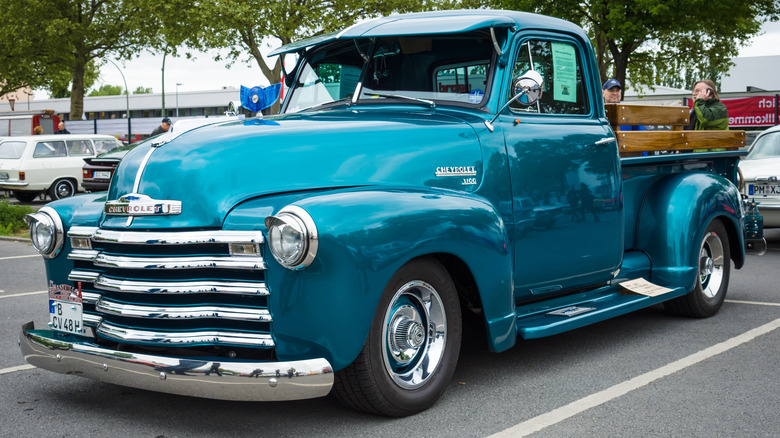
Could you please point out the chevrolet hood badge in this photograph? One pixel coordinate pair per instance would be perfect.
(136, 204)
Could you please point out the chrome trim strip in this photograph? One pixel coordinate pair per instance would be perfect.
(177, 238)
(90, 297)
(82, 231)
(229, 379)
(86, 255)
(189, 287)
(206, 262)
(184, 312)
(88, 276)
(218, 337)
(93, 320)
(14, 184)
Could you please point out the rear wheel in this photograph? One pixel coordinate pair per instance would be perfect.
(412, 346)
(62, 188)
(25, 196)
(714, 268)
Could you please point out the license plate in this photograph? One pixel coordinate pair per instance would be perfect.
(102, 174)
(3, 175)
(763, 189)
(66, 316)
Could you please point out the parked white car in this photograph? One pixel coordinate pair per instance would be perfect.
(761, 175)
(50, 164)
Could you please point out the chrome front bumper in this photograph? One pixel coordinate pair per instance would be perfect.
(227, 379)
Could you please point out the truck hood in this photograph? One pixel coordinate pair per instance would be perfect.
(213, 168)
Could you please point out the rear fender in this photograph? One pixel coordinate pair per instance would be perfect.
(365, 236)
(674, 216)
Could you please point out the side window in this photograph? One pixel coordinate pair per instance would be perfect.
(46, 149)
(79, 147)
(563, 90)
(105, 145)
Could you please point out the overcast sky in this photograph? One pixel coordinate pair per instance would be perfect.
(206, 74)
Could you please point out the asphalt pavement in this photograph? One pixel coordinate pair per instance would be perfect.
(645, 374)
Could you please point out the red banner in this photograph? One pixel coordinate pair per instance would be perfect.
(747, 112)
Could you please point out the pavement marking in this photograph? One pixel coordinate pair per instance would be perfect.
(20, 257)
(757, 303)
(15, 369)
(558, 415)
(25, 293)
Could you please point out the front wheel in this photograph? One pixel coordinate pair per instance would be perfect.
(412, 347)
(714, 267)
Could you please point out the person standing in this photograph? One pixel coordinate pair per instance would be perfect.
(708, 112)
(165, 125)
(612, 91)
(61, 129)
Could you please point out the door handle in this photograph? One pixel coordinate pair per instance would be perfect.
(605, 140)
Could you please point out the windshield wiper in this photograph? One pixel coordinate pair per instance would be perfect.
(428, 103)
(318, 105)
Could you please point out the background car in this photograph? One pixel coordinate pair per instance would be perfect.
(97, 173)
(51, 164)
(761, 175)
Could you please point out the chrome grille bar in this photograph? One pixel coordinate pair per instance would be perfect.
(217, 262)
(169, 287)
(176, 238)
(183, 262)
(183, 312)
(184, 338)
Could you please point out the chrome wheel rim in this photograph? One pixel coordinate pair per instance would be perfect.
(63, 190)
(711, 265)
(414, 334)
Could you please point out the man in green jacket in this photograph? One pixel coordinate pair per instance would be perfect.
(709, 113)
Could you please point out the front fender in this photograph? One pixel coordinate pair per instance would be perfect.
(674, 216)
(365, 236)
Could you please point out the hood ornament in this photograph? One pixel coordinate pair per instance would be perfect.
(135, 204)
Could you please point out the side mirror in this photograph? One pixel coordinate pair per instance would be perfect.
(527, 89)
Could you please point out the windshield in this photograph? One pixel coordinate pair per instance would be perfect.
(12, 149)
(443, 69)
(766, 146)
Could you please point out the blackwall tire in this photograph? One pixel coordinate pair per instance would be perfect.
(712, 281)
(412, 347)
(62, 188)
(23, 196)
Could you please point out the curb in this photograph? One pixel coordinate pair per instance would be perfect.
(15, 239)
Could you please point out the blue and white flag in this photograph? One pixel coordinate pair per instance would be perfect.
(256, 99)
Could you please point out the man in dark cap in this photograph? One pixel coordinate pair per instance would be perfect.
(165, 125)
(611, 91)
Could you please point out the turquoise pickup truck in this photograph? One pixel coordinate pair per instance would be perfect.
(428, 174)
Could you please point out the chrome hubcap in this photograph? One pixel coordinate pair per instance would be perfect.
(711, 262)
(415, 328)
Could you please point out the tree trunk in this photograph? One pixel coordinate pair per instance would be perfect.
(77, 91)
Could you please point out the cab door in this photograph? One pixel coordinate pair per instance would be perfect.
(564, 161)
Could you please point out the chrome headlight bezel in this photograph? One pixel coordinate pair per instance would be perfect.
(46, 231)
(293, 219)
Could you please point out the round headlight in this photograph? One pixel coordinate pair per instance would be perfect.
(46, 231)
(292, 237)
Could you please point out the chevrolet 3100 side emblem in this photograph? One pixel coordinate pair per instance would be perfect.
(141, 205)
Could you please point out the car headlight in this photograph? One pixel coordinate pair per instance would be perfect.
(292, 237)
(46, 231)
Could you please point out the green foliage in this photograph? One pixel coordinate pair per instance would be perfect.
(12, 217)
(661, 41)
(107, 90)
(46, 40)
(142, 90)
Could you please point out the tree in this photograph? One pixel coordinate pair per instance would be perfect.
(107, 90)
(244, 27)
(142, 90)
(653, 40)
(69, 36)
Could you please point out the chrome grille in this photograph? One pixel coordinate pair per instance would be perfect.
(173, 289)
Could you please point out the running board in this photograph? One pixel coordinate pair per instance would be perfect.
(562, 314)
